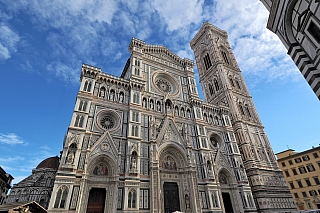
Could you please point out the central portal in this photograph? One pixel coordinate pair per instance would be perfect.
(171, 197)
(96, 200)
(227, 202)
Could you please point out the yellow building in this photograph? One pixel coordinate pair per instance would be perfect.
(302, 171)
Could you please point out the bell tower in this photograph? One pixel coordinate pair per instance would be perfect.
(223, 84)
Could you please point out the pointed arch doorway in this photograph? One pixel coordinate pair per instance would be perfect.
(171, 197)
(227, 202)
(226, 191)
(96, 200)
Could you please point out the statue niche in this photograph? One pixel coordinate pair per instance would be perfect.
(133, 163)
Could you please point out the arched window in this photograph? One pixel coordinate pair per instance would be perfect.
(204, 143)
(241, 109)
(216, 120)
(76, 123)
(198, 113)
(205, 117)
(248, 111)
(216, 84)
(238, 84)
(137, 71)
(61, 197)
(80, 105)
(135, 116)
(211, 89)
(89, 87)
(81, 121)
(85, 86)
(231, 81)
(84, 108)
(207, 61)
(132, 198)
(134, 130)
(136, 98)
(225, 58)
(137, 62)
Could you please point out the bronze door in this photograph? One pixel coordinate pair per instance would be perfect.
(96, 201)
(171, 197)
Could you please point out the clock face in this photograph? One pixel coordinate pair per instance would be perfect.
(163, 85)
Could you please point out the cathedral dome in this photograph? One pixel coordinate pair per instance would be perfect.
(52, 162)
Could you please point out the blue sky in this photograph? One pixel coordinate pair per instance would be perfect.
(44, 43)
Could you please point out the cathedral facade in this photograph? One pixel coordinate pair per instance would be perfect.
(146, 142)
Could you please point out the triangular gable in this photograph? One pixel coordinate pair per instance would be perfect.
(104, 145)
(163, 53)
(222, 163)
(170, 133)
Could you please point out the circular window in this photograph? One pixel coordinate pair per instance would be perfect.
(108, 120)
(215, 141)
(165, 83)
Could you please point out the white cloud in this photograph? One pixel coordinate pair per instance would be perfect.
(4, 52)
(179, 13)
(11, 139)
(67, 72)
(62, 13)
(11, 160)
(8, 41)
(87, 30)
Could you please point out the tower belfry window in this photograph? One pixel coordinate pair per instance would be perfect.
(216, 84)
(207, 61)
(211, 89)
(225, 58)
(231, 81)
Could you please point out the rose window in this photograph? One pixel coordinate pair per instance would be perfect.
(164, 85)
(107, 122)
